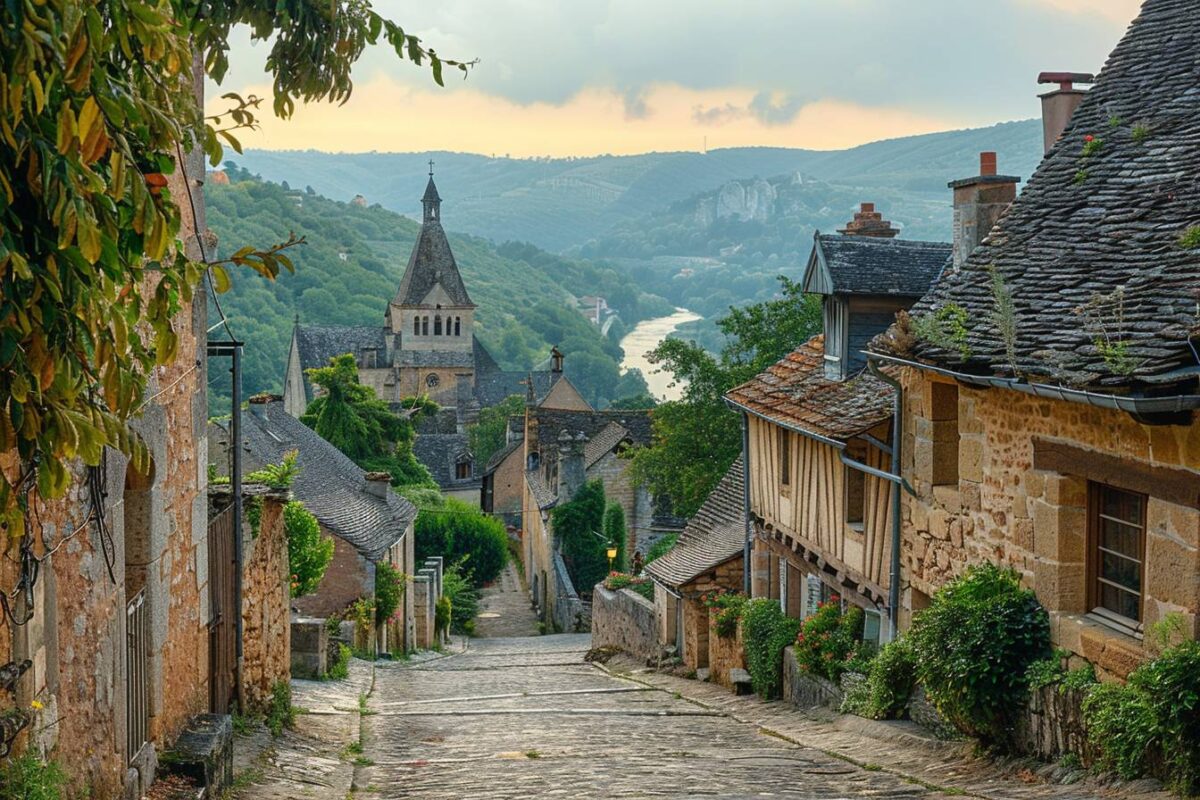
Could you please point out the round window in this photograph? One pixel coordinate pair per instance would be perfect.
(432, 380)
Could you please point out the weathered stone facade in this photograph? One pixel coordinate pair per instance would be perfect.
(971, 454)
(725, 653)
(266, 615)
(624, 619)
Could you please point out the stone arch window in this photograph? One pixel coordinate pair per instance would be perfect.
(425, 325)
(437, 325)
(458, 326)
(416, 326)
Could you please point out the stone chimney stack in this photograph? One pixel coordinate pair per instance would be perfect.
(1060, 104)
(978, 203)
(869, 222)
(571, 472)
(379, 483)
(556, 361)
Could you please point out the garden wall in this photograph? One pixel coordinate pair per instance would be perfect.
(570, 613)
(266, 613)
(626, 620)
(724, 653)
(1053, 725)
(806, 690)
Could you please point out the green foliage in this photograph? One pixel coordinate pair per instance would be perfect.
(975, 643)
(619, 580)
(309, 552)
(945, 327)
(340, 669)
(442, 613)
(661, 547)
(254, 508)
(281, 713)
(1092, 146)
(829, 642)
(362, 612)
(698, 437)
(1122, 727)
(351, 418)
(578, 525)
(766, 631)
(489, 434)
(277, 476)
(614, 533)
(460, 534)
(100, 105)
(1140, 133)
(1053, 671)
(1004, 316)
(730, 607)
(1081, 176)
(889, 684)
(1190, 238)
(27, 778)
(464, 599)
(389, 591)
(635, 402)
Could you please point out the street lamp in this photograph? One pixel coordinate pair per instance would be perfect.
(612, 554)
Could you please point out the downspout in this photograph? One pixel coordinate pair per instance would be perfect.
(235, 435)
(897, 438)
(747, 547)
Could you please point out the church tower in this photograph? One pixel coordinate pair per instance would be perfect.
(432, 310)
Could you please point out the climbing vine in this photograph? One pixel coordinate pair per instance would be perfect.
(97, 107)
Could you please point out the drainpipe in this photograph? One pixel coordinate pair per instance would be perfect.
(748, 546)
(897, 438)
(235, 479)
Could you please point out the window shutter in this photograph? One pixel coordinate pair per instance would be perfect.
(812, 595)
(872, 624)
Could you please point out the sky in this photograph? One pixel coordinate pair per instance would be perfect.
(584, 77)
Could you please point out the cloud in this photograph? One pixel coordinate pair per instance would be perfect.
(717, 115)
(772, 108)
(635, 104)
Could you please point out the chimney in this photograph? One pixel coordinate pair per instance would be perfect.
(259, 403)
(571, 472)
(979, 203)
(1060, 104)
(869, 222)
(379, 483)
(556, 360)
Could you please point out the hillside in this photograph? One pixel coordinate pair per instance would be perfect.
(560, 203)
(354, 259)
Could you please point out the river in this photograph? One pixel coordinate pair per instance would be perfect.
(645, 337)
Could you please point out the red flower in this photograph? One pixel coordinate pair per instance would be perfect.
(1089, 138)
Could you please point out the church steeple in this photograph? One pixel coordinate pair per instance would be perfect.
(432, 202)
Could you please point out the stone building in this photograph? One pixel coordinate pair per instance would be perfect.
(368, 521)
(818, 425)
(114, 621)
(1053, 427)
(708, 557)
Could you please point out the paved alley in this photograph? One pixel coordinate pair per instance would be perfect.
(504, 608)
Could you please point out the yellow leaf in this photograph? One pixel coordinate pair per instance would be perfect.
(39, 92)
(88, 237)
(66, 128)
(89, 115)
(220, 279)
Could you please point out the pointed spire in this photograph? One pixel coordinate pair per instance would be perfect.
(432, 202)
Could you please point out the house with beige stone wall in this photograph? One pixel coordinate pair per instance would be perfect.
(1050, 381)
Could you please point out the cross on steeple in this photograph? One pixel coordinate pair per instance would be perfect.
(431, 167)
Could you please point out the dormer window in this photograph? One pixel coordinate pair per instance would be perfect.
(462, 469)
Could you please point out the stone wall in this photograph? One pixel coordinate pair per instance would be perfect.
(266, 615)
(724, 653)
(508, 482)
(1053, 725)
(970, 455)
(348, 577)
(570, 613)
(806, 690)
(626, 620)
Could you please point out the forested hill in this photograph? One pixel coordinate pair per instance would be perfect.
(354, 259)
(557, 203)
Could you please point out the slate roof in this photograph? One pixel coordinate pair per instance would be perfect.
(795, 392)
(550, 422)
(716, 534)
(431, 262)
(872, 266)
(543, 495)
(319, 343)
(604, 442)
(331, 486)
(498, 457)
(440, 452)
(1091, 249)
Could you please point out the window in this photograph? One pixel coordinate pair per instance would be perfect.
(424, 326)
(462, 470)
(432, 380)
(1116, 552)
(944, 425)
(416, 326)
(785, 456)
(835, 324)
(437, 325)
(458, 326)
(855, 497)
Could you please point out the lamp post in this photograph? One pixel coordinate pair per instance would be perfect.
(612, 554)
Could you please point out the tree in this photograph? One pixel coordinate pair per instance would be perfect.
(579, 525)
(309, 553)
(698, 437)
(614, 532)
(460, 533)
(490, 433)
(100, 105)
(351, 418)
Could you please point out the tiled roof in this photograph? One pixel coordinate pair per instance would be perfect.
(603, 443)
(432, 262)
(550, 422)
(716, 534)
(543, 495)
(440, 452)
(498, 457)
(1104, 294)
(871, 265)
(331, 486)
(795, 392)
(319, 343)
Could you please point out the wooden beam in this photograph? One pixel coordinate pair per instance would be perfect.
(1172, 484)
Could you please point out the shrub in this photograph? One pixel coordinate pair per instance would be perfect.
(1053, 672)
(1170, 685)
(974, 645)
(577, 524)
(885, 692)
(661, 547)
(464, 600)
(389, 591)
(619, 580)
(730, 606)
(830, 643)
(281, 713)
(309, 553)
(614, 533)
(1121, 726)
(441, 615)
(461, 533)
(767, 632)
(27, 778)
(340, 669)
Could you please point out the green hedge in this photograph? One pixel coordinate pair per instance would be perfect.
(766, 632)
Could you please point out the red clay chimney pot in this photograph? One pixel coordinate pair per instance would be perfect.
(987, 163)
(868, 207)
